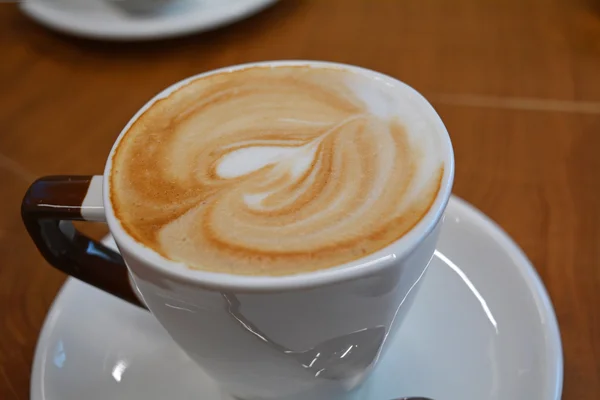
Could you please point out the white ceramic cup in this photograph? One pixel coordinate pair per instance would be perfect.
(308, 336)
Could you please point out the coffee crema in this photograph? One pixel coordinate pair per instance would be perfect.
(276, 170)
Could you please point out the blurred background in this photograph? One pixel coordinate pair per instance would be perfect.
(517, 83)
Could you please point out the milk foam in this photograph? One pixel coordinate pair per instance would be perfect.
(382, 99)
(395, 101)
(277, 171)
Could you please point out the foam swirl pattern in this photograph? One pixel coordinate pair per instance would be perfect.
(274, 171)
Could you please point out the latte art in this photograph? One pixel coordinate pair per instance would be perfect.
(274, 171)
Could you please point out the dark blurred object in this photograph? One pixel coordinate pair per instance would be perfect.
(141, 7)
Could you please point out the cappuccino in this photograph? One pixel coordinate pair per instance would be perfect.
(276, 170)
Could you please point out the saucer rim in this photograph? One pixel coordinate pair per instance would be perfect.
(535, 286)
(58, 21)
(534, 283)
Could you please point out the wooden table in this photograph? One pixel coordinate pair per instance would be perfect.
(517, 83)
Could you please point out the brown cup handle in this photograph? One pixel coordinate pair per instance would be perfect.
(48, 206)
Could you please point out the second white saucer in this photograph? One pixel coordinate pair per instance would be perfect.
(106, 19)
(482, 328)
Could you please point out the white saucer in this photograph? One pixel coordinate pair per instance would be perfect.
(103, 19)
(481, 328)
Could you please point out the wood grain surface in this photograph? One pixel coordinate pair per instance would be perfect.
(517, 83)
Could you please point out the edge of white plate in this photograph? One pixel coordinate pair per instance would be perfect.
(55, 20)
(524, 266)
(534, 283)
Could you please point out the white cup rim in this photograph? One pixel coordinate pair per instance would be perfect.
(154, 262)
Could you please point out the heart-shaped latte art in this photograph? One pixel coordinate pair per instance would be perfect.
(270, 171)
